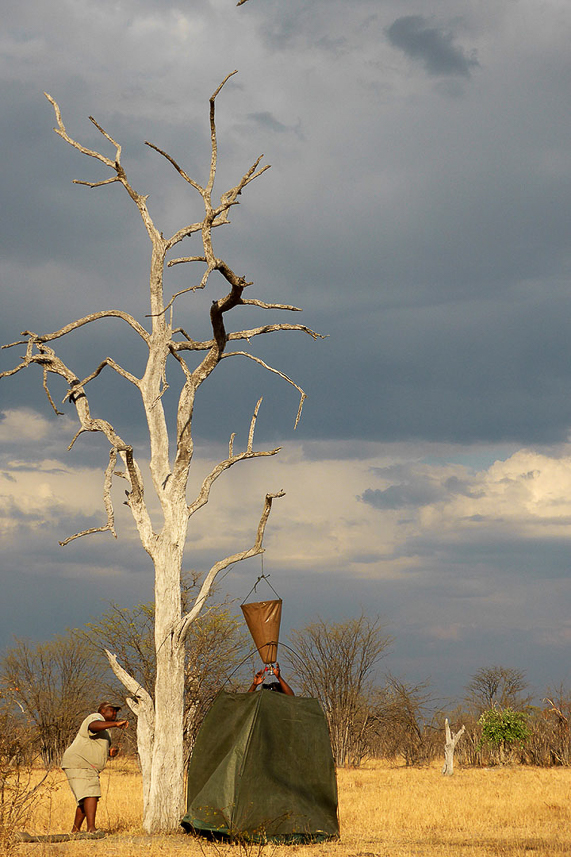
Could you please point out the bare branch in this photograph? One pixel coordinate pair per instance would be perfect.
(138, 199)
(303, 396)
(183, 366)
(113, 365)
(49, 362)
(264, 305)
(272, 328)
(229, 462)
(206, 275)
(97, 184)
(255, 550)
(95, 316)
(213, 142)
(12, 344)
(26, 360)
(138, 692)
(192, 345)
(174, 297)
(253, 425)
(186, 259)
(185, 232)
(557, 711)
(227, 78)
(204, 494)
(228, 199)
(179, 170)
(110, 525)
(111, 140)
(48, 394)
(61, 130)
(76, 435)
(14, 371)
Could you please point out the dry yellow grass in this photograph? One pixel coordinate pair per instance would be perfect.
(385, 811)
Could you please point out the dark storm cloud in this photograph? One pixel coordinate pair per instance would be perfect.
(427, 235)
(433, 47)
(269, 121)
(47, 588)
(484, 556)
(469, 371)
(420, 493)
(265, 120)
(455, 485)
(436, 356)
(413, 488)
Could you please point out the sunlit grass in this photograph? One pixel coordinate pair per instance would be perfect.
(385, 810)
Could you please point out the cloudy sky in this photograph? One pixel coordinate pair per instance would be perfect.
(417, 208)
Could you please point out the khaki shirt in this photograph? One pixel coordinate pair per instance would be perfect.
(89, 749)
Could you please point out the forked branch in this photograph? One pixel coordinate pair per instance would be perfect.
(222, 466)
(115, 165)
(113, 365)
(110, 525)
(140, 696)
(256, 549)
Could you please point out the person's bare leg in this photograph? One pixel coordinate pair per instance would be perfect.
(78, 820)
(90, 808)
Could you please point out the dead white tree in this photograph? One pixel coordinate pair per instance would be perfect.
(160, 714)
(452, 739)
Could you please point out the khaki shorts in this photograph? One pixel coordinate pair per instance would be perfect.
(84, 782)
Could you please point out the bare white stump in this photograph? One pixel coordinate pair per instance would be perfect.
(452, 739)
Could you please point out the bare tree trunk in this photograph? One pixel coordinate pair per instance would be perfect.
(160, 717)
(167, 772)
(166, 793)
(452, 739)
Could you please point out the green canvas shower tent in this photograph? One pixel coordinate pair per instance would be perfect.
(262, 768)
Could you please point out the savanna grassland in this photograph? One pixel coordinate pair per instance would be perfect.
(385, 810)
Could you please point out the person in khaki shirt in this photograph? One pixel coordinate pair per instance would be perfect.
(84, 759)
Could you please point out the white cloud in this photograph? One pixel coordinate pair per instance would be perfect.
(47, 494)
(323, 522)
(19, 425)
(528, 494)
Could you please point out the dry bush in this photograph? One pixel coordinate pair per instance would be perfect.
(334, 662)
(20, 789)
(53, 684)
(406, 726)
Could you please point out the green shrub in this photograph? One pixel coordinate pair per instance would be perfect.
(504, 729)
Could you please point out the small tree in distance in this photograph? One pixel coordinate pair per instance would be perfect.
(497, 686)
(405, 719)
(333, 662)
(160, 713)
(51, 683)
